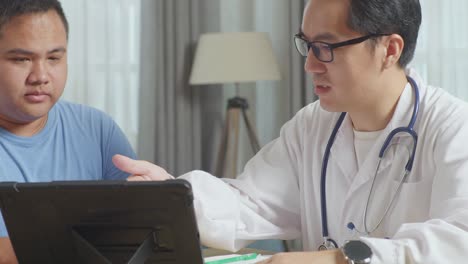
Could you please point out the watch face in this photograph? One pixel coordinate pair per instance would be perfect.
(357, 250)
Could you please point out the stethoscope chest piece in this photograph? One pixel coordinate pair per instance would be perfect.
(328, 244)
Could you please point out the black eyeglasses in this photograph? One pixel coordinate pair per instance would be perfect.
(323, 51)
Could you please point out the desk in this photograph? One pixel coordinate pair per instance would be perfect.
(210, 252)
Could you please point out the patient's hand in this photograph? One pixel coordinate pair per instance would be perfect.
(7, 254)
(140, 170)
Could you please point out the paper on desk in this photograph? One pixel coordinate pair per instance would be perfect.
(253, 261)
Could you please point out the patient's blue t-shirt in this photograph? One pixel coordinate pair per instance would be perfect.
(77, 143)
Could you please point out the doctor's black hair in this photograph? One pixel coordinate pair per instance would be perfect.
(401, 17)
(10, 9)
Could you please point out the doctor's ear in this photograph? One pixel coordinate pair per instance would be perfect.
(393, 45)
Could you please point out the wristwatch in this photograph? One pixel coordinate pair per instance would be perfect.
(357, 252)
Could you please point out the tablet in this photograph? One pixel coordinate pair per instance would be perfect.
(101, 222)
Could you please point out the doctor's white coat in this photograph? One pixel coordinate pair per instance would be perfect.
(278, 194)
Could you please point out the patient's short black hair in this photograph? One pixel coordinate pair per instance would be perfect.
(13, 8)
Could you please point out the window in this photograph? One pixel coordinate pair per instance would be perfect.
(103, 56)
(443, 46)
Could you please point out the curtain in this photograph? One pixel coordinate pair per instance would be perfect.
(170, 133)
(103, 56)
(271, 103)
(442, 50)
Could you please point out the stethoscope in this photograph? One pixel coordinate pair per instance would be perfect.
(329, 243)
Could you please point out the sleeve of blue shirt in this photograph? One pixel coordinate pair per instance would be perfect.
(111, 139)
(115, 143)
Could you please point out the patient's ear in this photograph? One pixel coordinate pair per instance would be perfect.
(393, 46)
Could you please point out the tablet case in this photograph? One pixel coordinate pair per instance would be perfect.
(101, 222)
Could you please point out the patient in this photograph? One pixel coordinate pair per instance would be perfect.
(42, 138)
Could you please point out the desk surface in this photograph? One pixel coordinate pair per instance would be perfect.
(210, 252)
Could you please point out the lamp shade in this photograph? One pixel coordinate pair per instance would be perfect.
(234, 58)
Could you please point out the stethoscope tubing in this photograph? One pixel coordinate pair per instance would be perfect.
(409, 129)
(323, 194)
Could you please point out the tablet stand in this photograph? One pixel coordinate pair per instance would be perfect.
(90, 254)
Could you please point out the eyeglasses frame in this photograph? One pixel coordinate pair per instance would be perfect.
(333, 46)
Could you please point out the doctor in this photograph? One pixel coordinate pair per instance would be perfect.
(323, 179)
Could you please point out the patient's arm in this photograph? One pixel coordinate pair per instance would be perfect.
(7, 255)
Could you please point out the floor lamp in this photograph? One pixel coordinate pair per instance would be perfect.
(235, 113)
(234, 58)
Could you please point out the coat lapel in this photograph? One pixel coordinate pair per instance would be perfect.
(391, 166)
(343, 155)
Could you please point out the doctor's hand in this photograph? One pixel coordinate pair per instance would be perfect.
(317, 257)
(140, 170)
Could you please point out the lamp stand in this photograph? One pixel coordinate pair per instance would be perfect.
(229, 147)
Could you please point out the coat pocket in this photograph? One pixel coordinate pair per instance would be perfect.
(411, 205)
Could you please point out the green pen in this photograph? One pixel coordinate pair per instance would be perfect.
(234, 259)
